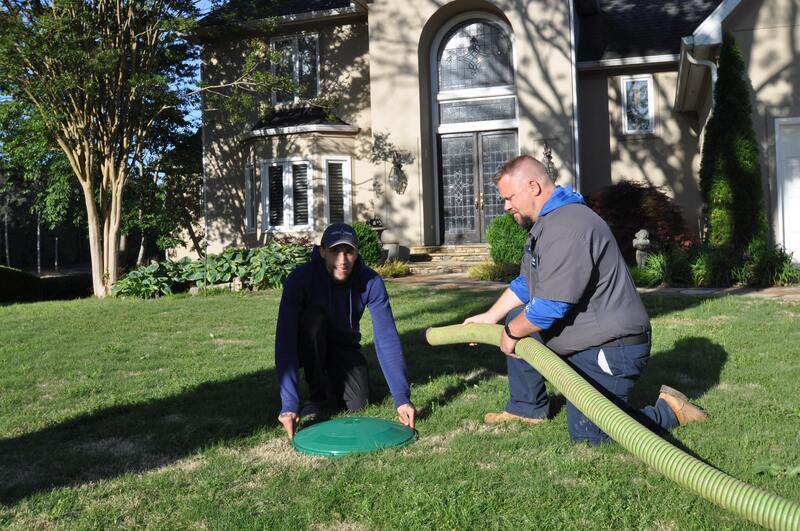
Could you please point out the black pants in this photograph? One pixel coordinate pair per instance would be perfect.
(332, 368)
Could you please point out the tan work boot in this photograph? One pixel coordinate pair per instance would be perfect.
(505, 416)
(684, 410)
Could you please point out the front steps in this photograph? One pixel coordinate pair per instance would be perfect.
(430, 260)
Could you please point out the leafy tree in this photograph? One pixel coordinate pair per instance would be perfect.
(45, 178)
(102, 75)
(98, 73)
(730, 176)
(11, 196)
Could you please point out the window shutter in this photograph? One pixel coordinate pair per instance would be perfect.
(336, 192)
(276, 195)
(300, 193)
(249, 217)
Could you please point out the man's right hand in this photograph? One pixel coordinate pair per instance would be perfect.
(481, 318)
(289, 420)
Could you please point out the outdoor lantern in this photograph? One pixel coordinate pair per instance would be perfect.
(397, 177)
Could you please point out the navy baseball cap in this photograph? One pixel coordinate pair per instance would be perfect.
(339, 233)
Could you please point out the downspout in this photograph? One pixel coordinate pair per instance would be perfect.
(712, 66)
(688, 43)
(575, 137)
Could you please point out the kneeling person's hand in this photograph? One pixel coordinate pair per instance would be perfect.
(289, 420)
(407, 413)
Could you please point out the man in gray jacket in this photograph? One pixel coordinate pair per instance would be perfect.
(575, 295)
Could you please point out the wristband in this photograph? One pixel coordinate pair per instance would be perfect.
(512, 336)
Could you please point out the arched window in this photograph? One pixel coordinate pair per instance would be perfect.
(474, 104)
(476, 54)
(474, 76)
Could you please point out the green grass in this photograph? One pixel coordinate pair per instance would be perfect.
(161, 413)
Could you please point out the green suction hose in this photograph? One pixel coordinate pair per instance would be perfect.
(750, 502)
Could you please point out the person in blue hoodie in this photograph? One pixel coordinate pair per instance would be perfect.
(318, 329)
(575, 295)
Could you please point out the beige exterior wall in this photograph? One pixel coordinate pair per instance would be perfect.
(382, 69)
(344, 71)
(401, 37)
(768, 35)
(668, 158)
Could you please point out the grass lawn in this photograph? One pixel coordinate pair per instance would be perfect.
(128, 413)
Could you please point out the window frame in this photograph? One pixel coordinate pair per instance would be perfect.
(296, 67)
(346, 185)
(250, 206)
(288, 195)
(651, 105)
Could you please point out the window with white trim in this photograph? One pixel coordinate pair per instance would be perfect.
(286, 194)
(638, 106)
(300, 63)
(250, 198)
(337, 189)
(474, 77)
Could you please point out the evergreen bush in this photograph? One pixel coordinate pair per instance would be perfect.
(506, 240)
(628, 206)
(730, 176)
(369, 244)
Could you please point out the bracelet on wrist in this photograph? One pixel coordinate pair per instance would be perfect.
(512, 336)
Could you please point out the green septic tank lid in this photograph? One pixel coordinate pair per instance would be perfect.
(351, 435)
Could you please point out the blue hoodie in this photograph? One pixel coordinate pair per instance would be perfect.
(544, 312)
(310, 284)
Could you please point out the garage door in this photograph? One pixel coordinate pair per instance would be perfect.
(788, 162)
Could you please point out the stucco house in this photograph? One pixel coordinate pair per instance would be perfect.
(435, 94)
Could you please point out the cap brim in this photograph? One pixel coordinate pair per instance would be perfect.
(339, 242)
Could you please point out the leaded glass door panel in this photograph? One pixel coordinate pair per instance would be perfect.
(459, 174)
(470, 200)
(497, 148)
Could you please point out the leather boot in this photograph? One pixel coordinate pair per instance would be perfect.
(684, 410)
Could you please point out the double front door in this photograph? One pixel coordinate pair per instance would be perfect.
(469, 198)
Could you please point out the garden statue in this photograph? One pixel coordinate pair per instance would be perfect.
(641, 242)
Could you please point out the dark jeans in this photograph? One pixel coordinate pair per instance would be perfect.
(331, 369)
(612, 370)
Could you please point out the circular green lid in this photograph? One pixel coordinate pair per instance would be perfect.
(351, 435)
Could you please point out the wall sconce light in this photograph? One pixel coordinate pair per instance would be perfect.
(397, 177)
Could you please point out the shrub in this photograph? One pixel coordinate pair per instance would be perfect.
(271, 264)
(502, 271)
(393, 269)
(764, 265)
(18, 286)
(628, 206)
(641, 277)
(506, 240)
(369, 245)
(146, 282)
(730, 176)
(261, 267)
(711, 267)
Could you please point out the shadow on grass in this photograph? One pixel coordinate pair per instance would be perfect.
(154, 434)
(150, 435)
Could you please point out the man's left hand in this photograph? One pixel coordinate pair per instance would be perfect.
(407, 413)
(507, 345)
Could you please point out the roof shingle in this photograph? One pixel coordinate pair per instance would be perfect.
(638, 28)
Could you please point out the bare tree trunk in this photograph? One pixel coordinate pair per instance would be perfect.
(142, 245)
(8, 254)
(55, 256)
(95, 242)
(39, 243)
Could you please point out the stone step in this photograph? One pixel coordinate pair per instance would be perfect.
(449, 257)
(466, 248)
(444, 266)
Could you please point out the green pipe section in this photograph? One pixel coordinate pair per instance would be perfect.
(750, 502)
